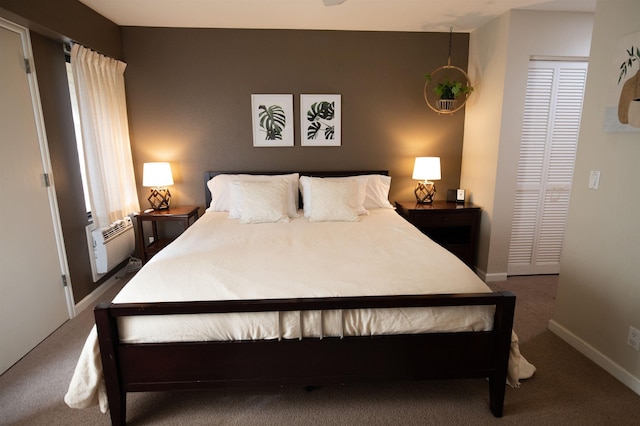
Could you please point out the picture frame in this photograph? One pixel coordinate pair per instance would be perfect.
(320, 120)
(622, 112)
(272, 120)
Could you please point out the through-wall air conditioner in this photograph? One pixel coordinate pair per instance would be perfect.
(110, 246)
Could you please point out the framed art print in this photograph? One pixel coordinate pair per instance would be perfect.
(320, 121)
(272, 120)
(622, 112)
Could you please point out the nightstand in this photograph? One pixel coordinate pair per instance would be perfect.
(454, 226)
(186, 215)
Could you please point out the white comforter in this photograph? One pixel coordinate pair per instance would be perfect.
(220, 259)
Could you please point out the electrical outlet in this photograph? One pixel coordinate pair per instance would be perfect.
(151, 240)
(633, 339)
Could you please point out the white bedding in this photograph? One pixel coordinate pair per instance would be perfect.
(221, 259)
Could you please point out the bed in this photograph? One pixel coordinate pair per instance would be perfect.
(253, 295)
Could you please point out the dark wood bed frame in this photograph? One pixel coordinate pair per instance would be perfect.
(308, 361)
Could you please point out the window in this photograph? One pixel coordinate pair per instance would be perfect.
(100, 91)
(78, 132)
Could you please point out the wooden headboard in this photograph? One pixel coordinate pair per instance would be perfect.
(210, 174)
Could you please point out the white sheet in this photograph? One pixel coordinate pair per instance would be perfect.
(221, 259)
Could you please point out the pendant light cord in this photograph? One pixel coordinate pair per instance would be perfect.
(450, 37)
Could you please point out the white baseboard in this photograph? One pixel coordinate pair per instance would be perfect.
(596, 356)
(91, 299)
(500, 276)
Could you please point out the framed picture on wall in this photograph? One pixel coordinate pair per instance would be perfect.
(622, 113)
(272, 120)
(320, 121)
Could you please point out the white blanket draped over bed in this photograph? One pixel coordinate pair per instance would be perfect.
(220, 259)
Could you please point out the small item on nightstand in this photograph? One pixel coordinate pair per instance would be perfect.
(455, 196)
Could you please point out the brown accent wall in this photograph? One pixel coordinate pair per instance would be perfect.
(189, 101)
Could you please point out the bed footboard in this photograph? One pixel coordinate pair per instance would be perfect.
(309, 361)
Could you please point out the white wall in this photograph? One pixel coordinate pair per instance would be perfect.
(499, 55)
(483, 118)
(599, 291)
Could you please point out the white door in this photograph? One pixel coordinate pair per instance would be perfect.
(33, 301)
(549, 140)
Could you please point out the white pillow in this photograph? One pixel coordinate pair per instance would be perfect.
(334, 200)
(377, 194)
(220, 192)
(264, 202)
(237, 193)
(307, 197)
(221, 197)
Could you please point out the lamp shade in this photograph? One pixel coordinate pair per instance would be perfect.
(157, 175)
(427, 168)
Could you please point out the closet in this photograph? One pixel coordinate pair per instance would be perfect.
(549, 140)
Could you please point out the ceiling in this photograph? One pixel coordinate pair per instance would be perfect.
(361, 15)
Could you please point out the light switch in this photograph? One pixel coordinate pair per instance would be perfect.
(594, 179)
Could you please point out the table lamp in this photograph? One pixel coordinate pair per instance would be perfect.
(426, 169)
(158, 176)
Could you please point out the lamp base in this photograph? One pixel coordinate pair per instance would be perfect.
(425, 191)
(160, 198)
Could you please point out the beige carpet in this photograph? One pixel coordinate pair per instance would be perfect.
(567, 389)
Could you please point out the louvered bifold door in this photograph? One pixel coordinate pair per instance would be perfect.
(549, 140)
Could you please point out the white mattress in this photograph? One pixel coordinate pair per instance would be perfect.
(220, 259)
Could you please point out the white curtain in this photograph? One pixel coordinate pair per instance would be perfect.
(99, 82)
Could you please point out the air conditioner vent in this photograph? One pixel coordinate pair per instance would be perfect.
(115, 229)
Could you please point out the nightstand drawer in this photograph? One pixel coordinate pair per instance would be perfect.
(442, 219)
